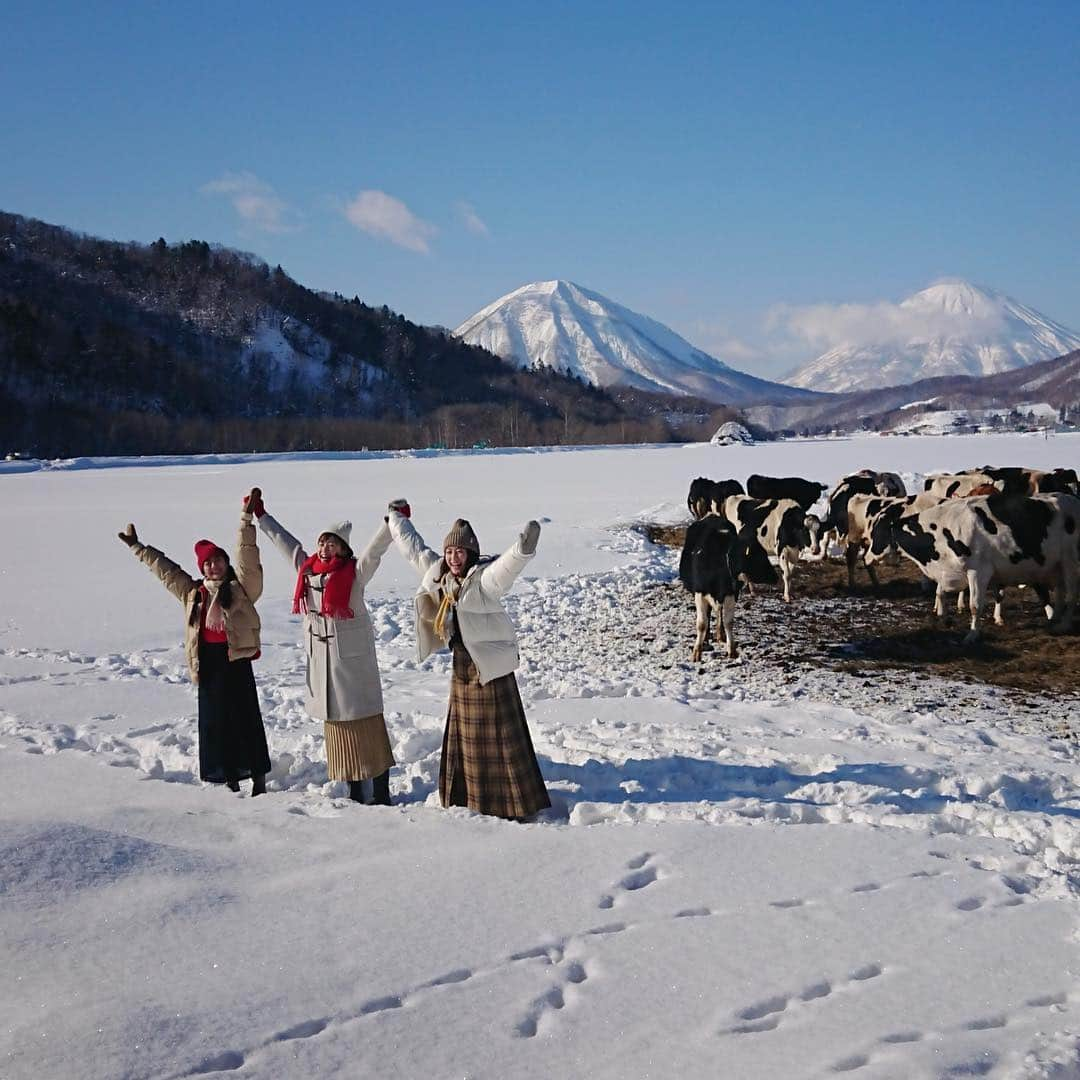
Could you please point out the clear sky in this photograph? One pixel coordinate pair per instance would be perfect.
(701, 163)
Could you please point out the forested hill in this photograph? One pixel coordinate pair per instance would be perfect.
(110, 347)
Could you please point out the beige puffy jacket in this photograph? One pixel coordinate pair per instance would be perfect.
(241, 619)
(485, 628)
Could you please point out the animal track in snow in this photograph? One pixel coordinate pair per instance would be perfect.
(768, 1014)
(641, 875)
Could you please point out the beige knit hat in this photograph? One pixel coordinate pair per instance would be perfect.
(461, 535)
(341, 529)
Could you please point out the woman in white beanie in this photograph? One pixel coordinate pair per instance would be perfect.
(343, 685)
(488, 762)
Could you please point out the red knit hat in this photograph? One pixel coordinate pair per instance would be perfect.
(207, 549)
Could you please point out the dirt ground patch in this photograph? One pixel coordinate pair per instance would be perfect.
(864, 631)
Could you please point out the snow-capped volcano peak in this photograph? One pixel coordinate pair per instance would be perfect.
(950, 328)
(561, 325)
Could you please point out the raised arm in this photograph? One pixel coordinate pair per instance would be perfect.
(497, 577)
(248, 565)
(409, 542)
(180, 583)
(279, 536)
(369, 561)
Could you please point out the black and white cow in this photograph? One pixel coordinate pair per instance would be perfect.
(782, 526)
(707, 496)
(864, 482)
(804, 492)
(1017, 480)
(961, 485)
(715, 562)
(861, 510)
(989, 540)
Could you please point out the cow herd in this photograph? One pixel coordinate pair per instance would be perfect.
(972, 532)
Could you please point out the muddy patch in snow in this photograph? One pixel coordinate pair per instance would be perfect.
(864, 632)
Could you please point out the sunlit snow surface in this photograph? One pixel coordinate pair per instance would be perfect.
(738, 878)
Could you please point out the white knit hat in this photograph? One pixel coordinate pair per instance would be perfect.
(341, 529)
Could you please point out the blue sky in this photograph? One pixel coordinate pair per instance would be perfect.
(701, 165)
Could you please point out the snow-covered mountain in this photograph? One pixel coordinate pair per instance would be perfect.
(560, 325)
(951, 328)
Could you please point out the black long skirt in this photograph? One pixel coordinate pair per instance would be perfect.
(232, 740)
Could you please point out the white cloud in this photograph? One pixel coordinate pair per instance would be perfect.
(472, 220)
(827, 326)
(717, 340)
(254, 200)
(379, 214)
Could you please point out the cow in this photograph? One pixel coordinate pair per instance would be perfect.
(715, 562)
(861, 509)
(782, 527)
(707, 496)
(1016, 480)
(993, 539)
(960, 485)
(864, 482)
(804, 492)
(1009, 479)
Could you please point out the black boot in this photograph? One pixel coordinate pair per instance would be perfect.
(258, 785)
(380, 787)
(232, 783)
(356, 790)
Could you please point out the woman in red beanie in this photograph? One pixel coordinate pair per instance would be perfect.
(221, 639)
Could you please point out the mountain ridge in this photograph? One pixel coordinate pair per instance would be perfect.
(565, 326)
(949, 328)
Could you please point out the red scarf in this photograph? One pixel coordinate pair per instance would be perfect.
(337, 589)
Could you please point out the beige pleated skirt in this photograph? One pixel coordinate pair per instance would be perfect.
(357, 749)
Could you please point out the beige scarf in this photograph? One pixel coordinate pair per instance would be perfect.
(215, 613)
(444, 624)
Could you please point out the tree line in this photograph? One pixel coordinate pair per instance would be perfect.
(115, 348)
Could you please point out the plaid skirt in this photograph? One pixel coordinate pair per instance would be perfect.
(488, 761)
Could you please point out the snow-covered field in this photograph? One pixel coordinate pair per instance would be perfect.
(741, 877)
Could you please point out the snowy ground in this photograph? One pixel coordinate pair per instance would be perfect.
(665, 918)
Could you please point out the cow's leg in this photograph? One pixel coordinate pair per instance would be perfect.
(1049, 606)
(999, 605)
(720, 636)
(977, 592)
(786, 569)
(851, 553)
(939, 601)
(961, 602)
(703, 608)
(1066, 597)
(727, 618)
(871, 570)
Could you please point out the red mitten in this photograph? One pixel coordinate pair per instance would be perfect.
(253, 503)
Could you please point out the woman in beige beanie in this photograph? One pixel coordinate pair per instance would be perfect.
(343, 685)
(488, 762)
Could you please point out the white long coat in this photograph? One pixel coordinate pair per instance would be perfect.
(485, 628)
(342, 671)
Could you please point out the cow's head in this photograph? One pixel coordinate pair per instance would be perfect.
(881, 530)
(814, 529)
(749, 559)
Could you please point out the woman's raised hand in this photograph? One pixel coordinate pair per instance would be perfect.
(401, 506)
(253, 503)
(129, 536)
(529, 537)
